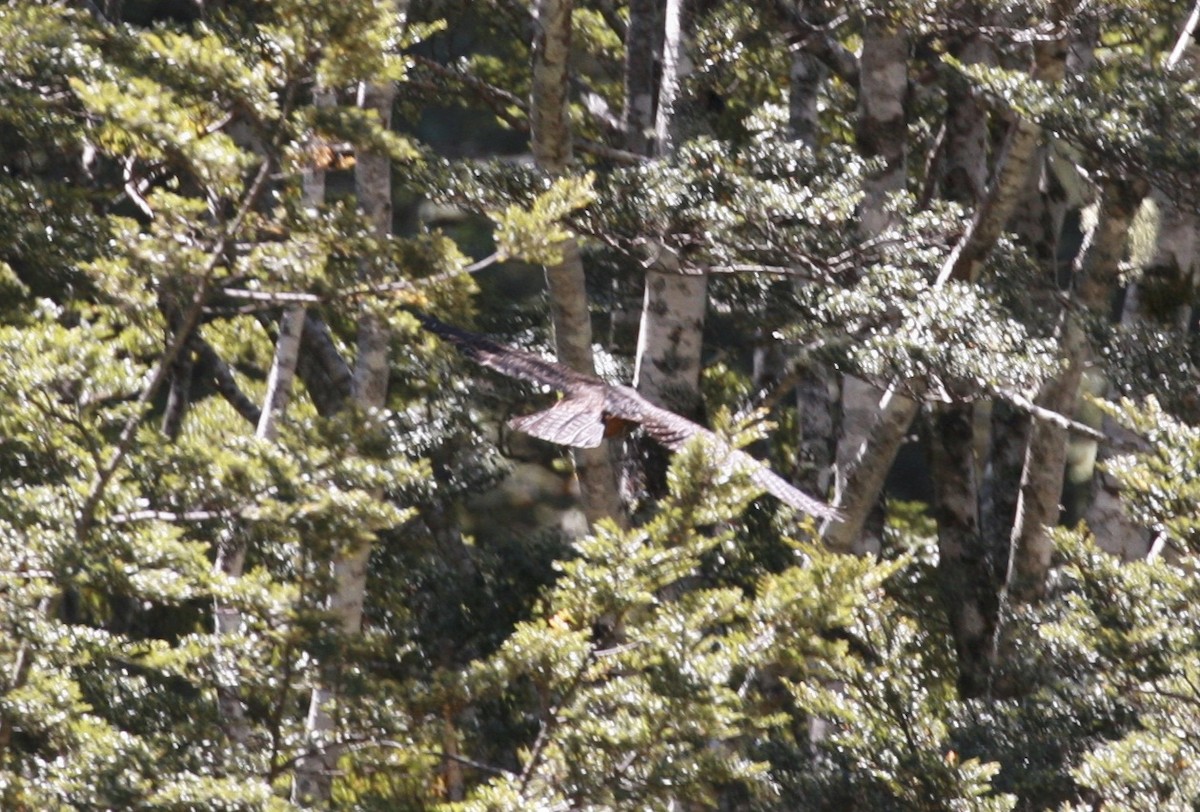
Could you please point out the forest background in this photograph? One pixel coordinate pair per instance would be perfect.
(267, 542)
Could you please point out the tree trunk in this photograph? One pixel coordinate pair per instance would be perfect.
(970, 591)
(966, 575)
(818, 386)
(1175, 258)
(372, 173)
(1097, 275)
(807, 74)
(643, 50)
(565, 280)
(882, 125)
(231, 557)
(671, 331)
(860, 488)
(883, 134)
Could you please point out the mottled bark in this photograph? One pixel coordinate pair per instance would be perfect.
(860, 479)
(807, 74)
(283, 369)
(328, 379)
(670, 337)
(966, 575)
(569, 310)
(969, 588)
(1097, 275)
(818, 387)
(963, 171)
(1005, 191)
(1174, 266)
(1001, 481)
(643, 49)
(864, 479)
(817, 419)
(372, 174)
(864, 458)
(882, 125)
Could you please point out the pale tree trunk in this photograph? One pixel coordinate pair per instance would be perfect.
(670, 337)
(882, 125)
(372, 172)
(551, 132)
(882, 133)
(807, 75)
(818, 388)
(231, 557)
(864, 479)
(1097, 276)
(643, 55)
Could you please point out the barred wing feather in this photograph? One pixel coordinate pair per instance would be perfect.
(579, 418)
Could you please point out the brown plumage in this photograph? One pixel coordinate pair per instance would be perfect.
(592, 409)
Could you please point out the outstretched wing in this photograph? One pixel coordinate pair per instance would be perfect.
(579, 419)
(674, 431)
(509, 361)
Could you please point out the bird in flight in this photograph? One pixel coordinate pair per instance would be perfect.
(592, 409)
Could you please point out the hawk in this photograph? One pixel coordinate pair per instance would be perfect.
(592, 409)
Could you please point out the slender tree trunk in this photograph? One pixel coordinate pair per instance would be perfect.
(864, 480)
(313, 779)
(643, 49)
(882, 124)
(882, 134)
(970, 590)
(283, 370)
(967, 577)
(1175, 257)
(818, 389)
(565, 280)
(807, 75)
(1097, 275)
(671, 331)
(671, 335)
(179, 395)
(231, 557)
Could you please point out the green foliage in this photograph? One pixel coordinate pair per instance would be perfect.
(153, 223)
(1161, 481)
(646, 688)
(534, 234)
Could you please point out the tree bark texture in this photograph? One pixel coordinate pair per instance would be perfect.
(882, 133)
(670, 337)
(643, 50)
(882, 125)
(1097, 275)
(818, 387)
(807, 74)
(372, 173)
(968, 582)
(863, 482)
(1173, 264)
(967, 577)
(569, 309)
